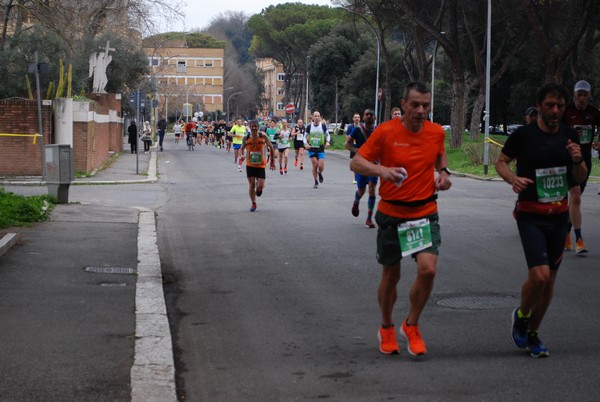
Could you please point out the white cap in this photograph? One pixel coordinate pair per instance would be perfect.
(583, 86)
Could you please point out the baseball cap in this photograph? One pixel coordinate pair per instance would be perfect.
(530, 110)
(583, 86)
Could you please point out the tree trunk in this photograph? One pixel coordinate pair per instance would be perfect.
(478, 106)
(458, 108)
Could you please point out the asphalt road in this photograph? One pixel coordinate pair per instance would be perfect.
(280, 304)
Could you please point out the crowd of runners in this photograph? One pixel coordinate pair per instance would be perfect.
(406, 157)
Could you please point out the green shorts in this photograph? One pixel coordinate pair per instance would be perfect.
(388, 245)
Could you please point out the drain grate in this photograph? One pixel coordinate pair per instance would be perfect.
(481, 302)
(110, 270)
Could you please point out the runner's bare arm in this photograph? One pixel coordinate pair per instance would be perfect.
(365, 167)
(518, 183)
(442, 181)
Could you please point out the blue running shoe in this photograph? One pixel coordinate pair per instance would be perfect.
(535, 346)
(518, 333)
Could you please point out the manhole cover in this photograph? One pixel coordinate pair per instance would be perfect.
(110, 270)
(488, 302)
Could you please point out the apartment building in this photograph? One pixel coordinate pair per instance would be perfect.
(188, 80)
(274, 84)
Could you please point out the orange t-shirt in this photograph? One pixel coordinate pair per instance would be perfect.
(256, 151)
(393, 145)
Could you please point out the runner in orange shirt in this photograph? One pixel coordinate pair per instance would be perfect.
(409, 150)
(256, 143)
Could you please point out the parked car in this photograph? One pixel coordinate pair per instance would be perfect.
(447, 127)
(331, 127)
(512, 127)
(497, 130)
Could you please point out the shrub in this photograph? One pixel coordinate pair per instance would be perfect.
(475, 151)
(18, 210)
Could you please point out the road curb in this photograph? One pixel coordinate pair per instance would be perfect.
(153, 370)
(7, 241)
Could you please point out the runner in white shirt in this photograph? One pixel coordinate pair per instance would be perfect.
(177, 131)
(316, 140)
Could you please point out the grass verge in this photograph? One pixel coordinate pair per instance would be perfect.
(18, 210)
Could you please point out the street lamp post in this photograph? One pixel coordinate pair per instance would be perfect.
(187, 103)
(233, 94)
(486, 116)
(378, 52)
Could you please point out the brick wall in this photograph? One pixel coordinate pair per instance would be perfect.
(95, 135)
(19, 156)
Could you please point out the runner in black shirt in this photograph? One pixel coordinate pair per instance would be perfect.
(549, 162)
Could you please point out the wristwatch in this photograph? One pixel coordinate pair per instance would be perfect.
(445, 169)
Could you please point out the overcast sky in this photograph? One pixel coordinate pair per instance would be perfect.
(199, 14)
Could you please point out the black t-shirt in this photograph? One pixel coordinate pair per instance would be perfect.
(535, 149)
(588, 118)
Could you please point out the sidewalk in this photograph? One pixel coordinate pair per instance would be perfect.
(82, 303)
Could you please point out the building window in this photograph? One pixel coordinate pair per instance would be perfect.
(280, 91)
(280, 77)
(181, 66)
(154, 61)
(280, 106)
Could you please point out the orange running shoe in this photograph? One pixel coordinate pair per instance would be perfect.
(568, 244)
(416, 346)
(387, 341)
(296, 162)
(580, 247)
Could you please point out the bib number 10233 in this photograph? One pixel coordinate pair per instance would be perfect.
(551, 184)
(414, 236)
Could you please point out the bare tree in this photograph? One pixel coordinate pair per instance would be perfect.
(558, 27)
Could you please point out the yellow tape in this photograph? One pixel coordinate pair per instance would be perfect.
(494, 142)
(21, 135)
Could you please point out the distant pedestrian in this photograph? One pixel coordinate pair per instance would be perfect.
(147, 136)
(132, 134)
(162, 127)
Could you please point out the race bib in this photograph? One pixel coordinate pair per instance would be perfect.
(414, 236)
(315, 142)
(586, 133)
(256, 157)
(551, 184)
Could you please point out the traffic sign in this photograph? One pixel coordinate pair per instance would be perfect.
(133, 99)
(289, 108)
